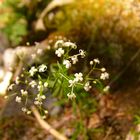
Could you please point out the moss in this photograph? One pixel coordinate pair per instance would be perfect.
(107, 29)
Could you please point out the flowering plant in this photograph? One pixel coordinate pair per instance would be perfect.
(59, 78)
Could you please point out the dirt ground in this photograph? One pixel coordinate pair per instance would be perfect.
(117, 122)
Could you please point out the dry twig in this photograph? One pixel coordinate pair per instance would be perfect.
(46, 126)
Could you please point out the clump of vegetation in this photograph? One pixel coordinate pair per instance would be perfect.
(65, 82)
(13, 21)
(107, 30)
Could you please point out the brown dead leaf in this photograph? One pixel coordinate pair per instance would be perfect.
(94, 121)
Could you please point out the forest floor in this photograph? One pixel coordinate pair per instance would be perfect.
(119, 122)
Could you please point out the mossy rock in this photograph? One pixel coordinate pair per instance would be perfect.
(106, 29)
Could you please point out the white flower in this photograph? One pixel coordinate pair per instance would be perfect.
(78, 77)
(103, 69)
(82, 53)
(33, 83)
(67, 63)
(17, 80)
(32, 71)
(71, 82)
(106, 89)
(42, 68)
(70, 44)
(23, 92)
(87, 86)
(71, 95)
(40, 82)
(59, 43)
(74, 59)
(46, 84)
(28, 112)
(91, 62)
(59, 52)
(104, 76)
(40, 97)
(39, 87)
(18, 99)
(46, 111)
(24, 109)
(37, 103)
(43, 97)
(11, 87)
(96, 60)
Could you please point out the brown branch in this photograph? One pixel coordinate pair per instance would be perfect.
(46, 126)
(52, 5)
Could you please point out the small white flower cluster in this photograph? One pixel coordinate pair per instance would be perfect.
(18, 99)
(104, 76)
(39, 99)
(59, 52)
(96, 61)
(41, 68)
(73, 59)
(68, 44)
(25, 110)
(82, 53)
(60, 45)
(46, 84)
(103, 69)
(106, 89)
(24, 92)
(42, 85)
(32, 71)
(78, 77)
(33, 83)
(67, 63)
(87, 86)
(11, 87)
(77, 80)
(72, 83)
(71, 95)
(17, 81)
